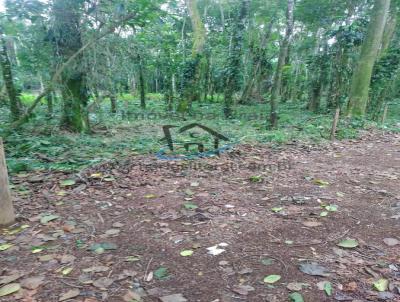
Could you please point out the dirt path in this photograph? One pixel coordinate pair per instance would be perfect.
(264, 205)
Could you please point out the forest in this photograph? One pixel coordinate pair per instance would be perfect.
(199, 150)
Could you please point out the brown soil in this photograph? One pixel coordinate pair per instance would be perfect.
(235, 195)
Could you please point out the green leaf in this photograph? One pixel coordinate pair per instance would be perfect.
(277, 209)
(328, 288)
(161, 273)
(186, 253)
(267, 261)
(100, 248)
(9, 289)
(348, 243)
(46, 219)
(321, 182)
(381, 285)
(272, 279)
(256, 178)
(296, 297)
(332, 208)
(5, 246)
(67, 183)
(324, 214)
(190, 206)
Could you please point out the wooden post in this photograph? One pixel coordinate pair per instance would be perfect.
(384, 114)
(7, 215)
(335, 123)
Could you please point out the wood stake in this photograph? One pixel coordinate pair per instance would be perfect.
(335, 123)
(7, 215)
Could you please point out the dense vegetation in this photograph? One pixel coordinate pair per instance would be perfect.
(113, 72)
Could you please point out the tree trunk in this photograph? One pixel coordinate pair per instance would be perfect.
(7, 215)
(388, 33)
(50, 104)
(191, 76)
(142, 84)
(14, 101)
(68, 41)
(113, 103)
(283, 52)
(362, 75)
(234, 60)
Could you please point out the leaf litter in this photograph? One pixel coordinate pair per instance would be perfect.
(113, 244)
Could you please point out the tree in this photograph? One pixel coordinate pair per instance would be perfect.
(5, 63)
(369, 52)
(67, 41)
(7, 215)
(191, 76)
(234, 60)
(283, 52)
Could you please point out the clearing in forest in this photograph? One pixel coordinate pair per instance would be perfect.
(319, 223)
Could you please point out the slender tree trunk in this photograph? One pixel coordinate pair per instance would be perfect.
(5, 62)
(276, 88)
(113, 103)
(50, 104)
(142, 84)
(234, 60)
(7, 215)
(362, 75)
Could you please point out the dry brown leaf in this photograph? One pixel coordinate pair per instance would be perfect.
(69, 294)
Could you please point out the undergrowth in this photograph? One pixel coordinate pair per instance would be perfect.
(40, 144)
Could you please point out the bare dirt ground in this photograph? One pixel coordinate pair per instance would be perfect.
(140, 229)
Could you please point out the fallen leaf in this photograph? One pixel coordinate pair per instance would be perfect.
(9, 289)
(67, 271)
(47, 218)
(243, 289)
(296, 297)
(67, 183)
(332, 208)
(173, 298)
(328, 288)
(11, 278)
(161, 273)
(277, 209)
(313, 269)
(69, 294)
(267, 261)
(272, 279)
(381, 285)
(391, 241)
(348, 243)
(5, 246)
(186, 253)
(112, 232)
(131, 296)
(96, 269)
(32, 282)
(321, 182)
(103, 282)
(297, 286)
